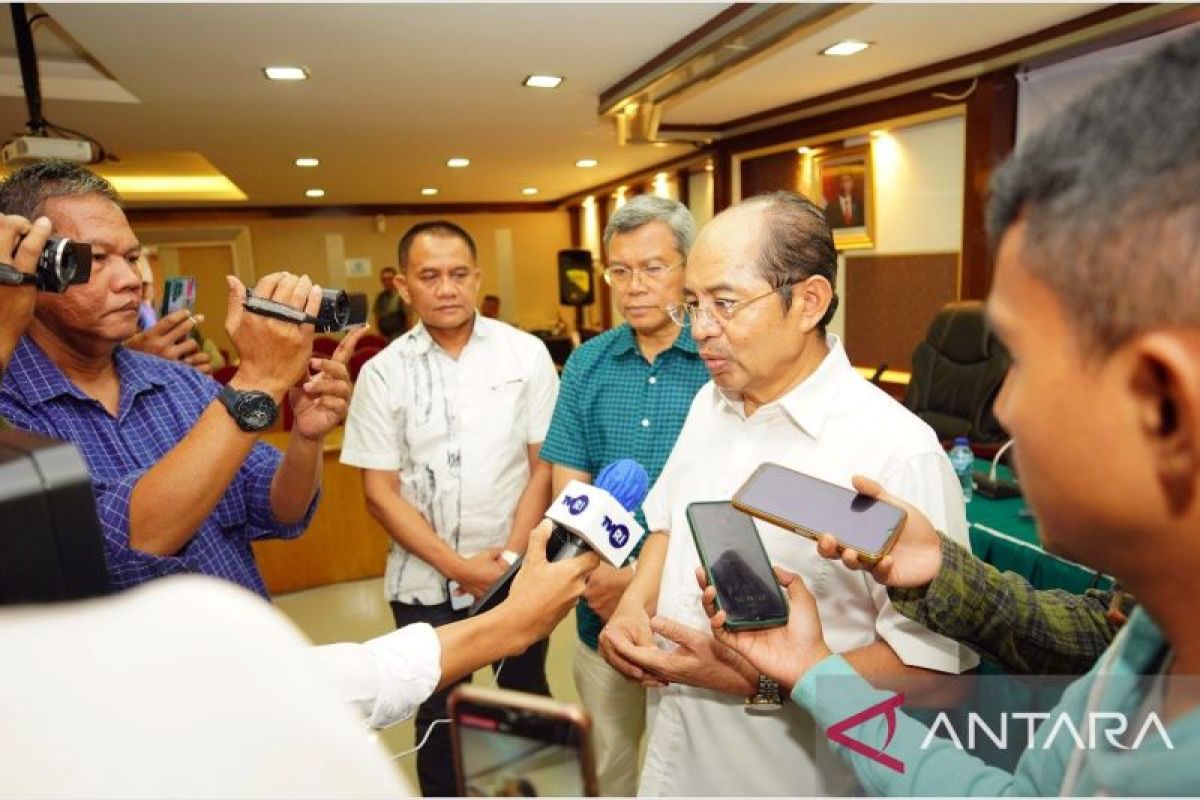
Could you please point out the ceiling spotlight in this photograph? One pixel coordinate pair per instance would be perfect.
(315, 193)
(803, 150)
(429, 191)
(542, 81)
(458, 162)
(878, 133)
(586, 163)
(529, 191)
(846, 47)
(280, 73)
(308, 162)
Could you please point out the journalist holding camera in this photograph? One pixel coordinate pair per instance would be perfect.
(182, 483)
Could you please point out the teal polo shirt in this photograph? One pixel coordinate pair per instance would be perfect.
(612, 404)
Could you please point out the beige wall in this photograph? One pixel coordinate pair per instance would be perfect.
(517, 252)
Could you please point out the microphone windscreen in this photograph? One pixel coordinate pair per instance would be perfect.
(626, 480)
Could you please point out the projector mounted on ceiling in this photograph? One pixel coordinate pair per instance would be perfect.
(29, 149)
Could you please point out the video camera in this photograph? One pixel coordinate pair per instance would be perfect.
(336, 313)
(62, 264)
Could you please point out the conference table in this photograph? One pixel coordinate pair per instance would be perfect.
(1002, 535)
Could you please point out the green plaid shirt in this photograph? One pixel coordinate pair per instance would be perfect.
(612, 404)
(1008, 622)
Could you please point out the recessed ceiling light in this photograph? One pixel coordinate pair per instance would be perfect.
(542, 81)
(803, 150)
(458, 162)
(877, 133)
(429, 191)
(315, 193)
(586, 163)
(846, 47)
(529, 191)
(280, 73)
(308, 162)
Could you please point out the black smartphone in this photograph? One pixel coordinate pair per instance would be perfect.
(737, 565)
(811, 507)
(513, 744)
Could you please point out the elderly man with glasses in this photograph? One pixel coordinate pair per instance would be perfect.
(758, 294)
(625, 394)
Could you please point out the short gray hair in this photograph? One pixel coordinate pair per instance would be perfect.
(796, 244)
(1110, 194)
(647, 208)
(27, 190)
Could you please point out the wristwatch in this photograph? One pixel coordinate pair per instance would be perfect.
(766, 699)
(253, 411)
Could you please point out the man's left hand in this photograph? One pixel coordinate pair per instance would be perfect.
(320, 405)
(697, 660)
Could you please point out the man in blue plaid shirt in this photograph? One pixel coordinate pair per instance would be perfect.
(182, 483)
(625, 394)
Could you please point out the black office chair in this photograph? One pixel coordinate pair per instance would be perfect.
(956, 374)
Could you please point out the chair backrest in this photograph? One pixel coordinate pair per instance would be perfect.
(358, 358)
(324, 345)
(370, 340)
(956, 373)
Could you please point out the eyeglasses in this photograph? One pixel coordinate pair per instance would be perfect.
(621, 275)
(719, 312)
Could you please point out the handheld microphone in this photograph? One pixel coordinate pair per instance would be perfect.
(595, 517)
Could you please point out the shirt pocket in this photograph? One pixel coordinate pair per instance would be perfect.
(498, 416)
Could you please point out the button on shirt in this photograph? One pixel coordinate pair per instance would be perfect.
(614, 404)
(832, 426)
(457, 432)
(160, 403)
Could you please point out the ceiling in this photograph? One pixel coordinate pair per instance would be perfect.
(395, 90)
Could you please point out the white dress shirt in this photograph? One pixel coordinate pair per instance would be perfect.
(457, 431)
(833, 425)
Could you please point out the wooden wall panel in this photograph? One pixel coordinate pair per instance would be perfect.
(343, 543)
(890, 301)
(770, 173)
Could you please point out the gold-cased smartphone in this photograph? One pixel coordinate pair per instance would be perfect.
(513, 744)
(813, 507)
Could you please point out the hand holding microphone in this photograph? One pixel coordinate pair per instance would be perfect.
(588, 518)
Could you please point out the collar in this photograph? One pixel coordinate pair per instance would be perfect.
(418, 340)
(809, 403)
(39, 380)
(625, 342)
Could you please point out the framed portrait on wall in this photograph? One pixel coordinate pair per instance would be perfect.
(841, 185)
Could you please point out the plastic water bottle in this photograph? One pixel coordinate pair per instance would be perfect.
(963, 461)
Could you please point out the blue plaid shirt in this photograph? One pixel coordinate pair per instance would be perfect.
(160, 403)
(612, 404)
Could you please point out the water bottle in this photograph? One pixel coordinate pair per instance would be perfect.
(963, 460)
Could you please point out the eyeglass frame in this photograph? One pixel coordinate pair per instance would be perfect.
(606, 272)
(690, 311)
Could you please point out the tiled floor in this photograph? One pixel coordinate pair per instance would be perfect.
(356, 611)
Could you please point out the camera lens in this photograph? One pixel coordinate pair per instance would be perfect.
(63, 263)
(335, 311)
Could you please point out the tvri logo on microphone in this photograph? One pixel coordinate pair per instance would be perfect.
(618, 534)
(1110, 724)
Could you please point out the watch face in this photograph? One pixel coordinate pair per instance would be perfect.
(256, 410)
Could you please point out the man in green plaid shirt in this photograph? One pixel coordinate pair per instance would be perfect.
(625, 394)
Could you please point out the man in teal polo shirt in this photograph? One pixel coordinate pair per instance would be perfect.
(625, 394)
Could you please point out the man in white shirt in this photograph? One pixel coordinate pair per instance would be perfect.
(759, 293)
(446, 423)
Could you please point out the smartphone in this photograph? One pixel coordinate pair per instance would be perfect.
(737, 565)
(812, 507)
(513, 744)
(178, 292)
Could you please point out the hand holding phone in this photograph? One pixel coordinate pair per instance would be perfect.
(813, 507)
(736, 564)
(513, 744)
(178, 292)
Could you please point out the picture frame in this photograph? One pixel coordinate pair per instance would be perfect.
(842, 186)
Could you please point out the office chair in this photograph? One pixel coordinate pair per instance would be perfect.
(956, 374)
